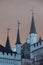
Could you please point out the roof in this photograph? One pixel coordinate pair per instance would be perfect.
(8, 43)
(4, 49)
(32, 29)
(18, 35)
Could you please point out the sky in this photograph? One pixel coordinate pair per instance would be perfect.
(12, 11)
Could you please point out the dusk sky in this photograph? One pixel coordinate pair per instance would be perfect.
(13, 10)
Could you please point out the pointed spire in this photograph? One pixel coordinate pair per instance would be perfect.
(8, 41)
(32, 29)
(18, 35)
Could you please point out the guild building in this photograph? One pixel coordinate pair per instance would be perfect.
(7, 56)
(36, 47)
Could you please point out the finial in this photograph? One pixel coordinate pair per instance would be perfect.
(33, 28)
(8, 29)
(18, 24)
(32, 11)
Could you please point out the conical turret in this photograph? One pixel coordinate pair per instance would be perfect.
(32, 29)
(18, 43)
(33, 34)
(18, 35)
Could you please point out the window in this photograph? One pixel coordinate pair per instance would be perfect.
(37, 44)
(34, 45)
(40, 43)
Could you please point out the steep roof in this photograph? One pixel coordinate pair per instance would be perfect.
(32, 29)
(18, 36)
(8, 41)
(3, 49)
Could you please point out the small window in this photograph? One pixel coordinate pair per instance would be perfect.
(3, 53)
(40, 43)
(37, 44)
(34, 45)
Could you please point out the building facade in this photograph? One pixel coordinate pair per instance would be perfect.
(10, 57)
(36, 47)
(25, 50)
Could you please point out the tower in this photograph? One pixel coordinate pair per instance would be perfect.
(18, 43)
(33, 33)
(7, 46)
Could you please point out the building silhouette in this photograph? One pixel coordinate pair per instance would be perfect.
(9, 57)
(33, 51)
(36, 47)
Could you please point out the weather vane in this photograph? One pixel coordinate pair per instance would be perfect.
(18, 24)
(8, 29)
(32, 11)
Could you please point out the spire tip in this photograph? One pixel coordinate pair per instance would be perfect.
(8, 29)
(18, 24)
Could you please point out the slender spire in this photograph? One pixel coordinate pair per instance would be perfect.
(32, 29)
(8, 41)
(18, 35)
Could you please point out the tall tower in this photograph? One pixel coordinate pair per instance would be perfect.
(8, 41)
(33, 33)
(18, 43)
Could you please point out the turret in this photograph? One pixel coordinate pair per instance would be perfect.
(18, 43)
(33, 33)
